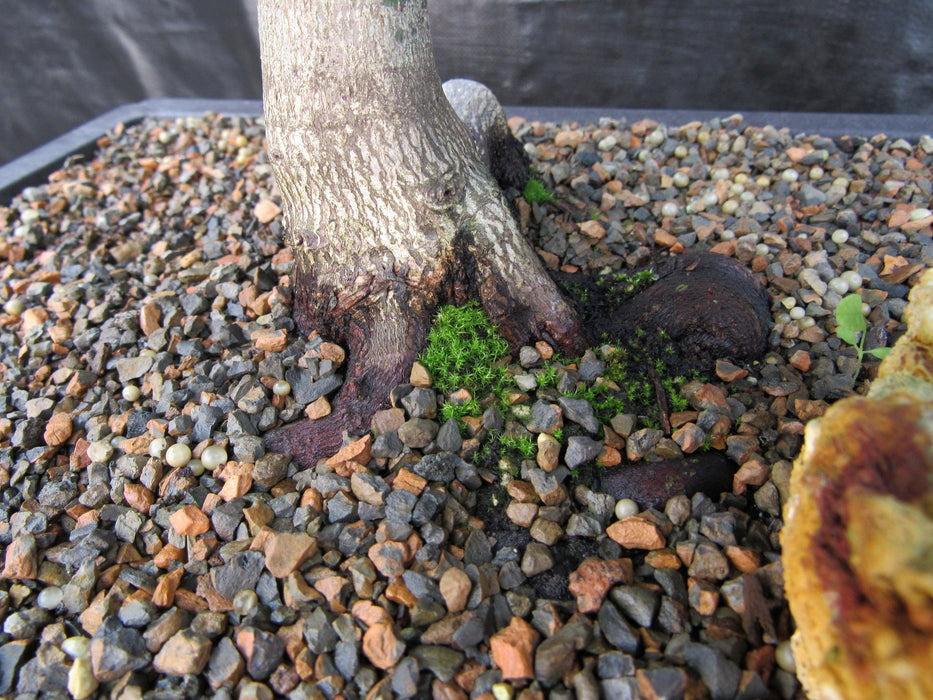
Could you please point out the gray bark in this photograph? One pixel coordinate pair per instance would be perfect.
(386, 203)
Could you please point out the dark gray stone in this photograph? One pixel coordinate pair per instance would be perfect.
(580, 411)
(614, 664)
(557, 654)
(440, 466)
(420, 403)
(319, 632)
(545, 417)
(477, 550)
(268, 649)
(637, 602)
(720, 674)
(442, 661)
(581, 450)
(226, 517)
(399, 506)
(448, 437)
(116, 650)
(616, 630)
(241, 573)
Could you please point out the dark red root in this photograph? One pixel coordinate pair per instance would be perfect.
(383, 342)
(651, 484)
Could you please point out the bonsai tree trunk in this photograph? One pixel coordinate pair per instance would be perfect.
(387, 206)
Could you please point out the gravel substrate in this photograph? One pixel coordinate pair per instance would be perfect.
(153, 548)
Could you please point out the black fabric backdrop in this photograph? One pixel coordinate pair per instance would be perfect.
(63, 62)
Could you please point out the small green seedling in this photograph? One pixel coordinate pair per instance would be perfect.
(852, 326)
(535, 191)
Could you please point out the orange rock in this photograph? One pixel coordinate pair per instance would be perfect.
(332, 352)
(381, 646)
(358, 451)
(185, 652)
(610, 457)
(455, 587)
(745, 560)
(286, 551)
(58, 429)
(22, 559)
(593, 579)
(800, 360)
(333, 588)
(369, 613)
(138, 497)
(318, 408)
(754, 472)
(635, 532)
(266, 210)
(662, 559)
(668, 240)
(164, 594)
(269, 340)
(409, 481)
(420, 376)
(512, 649)
(149, 316)
(398, 592)
(190, 521)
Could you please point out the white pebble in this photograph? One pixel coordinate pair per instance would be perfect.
(841, 183)
(81, 681)
(710, 199)
(626, 507)
(680, 151)
(806, 322)
(196, 466)
(607, 144)
(735, 189)
(213, 456)
(763, 181)
(839, 285)
(788, 302)
(281, 388)
(747, 196)
(840, 236)
(178, 455)
(77, 647)
(784, 656)
(719, 174)
(866, 309)
(503, 691)
(99, 451)
(920, 213)
(14, 306)
(816, 172)
(655, 138)
(670, 209)
(797, 313)
(50, 598)
(790, 175)
(131, 393)
(762, 249)
(157, 447)
(730, 206)
(727, 235)
(851, 278)
(782, 318)
(740, 179)
(681, 179)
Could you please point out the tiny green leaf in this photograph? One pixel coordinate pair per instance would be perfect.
(849, 314)
(848, 334)
(880, 353)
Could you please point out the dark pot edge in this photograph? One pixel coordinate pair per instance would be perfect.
(33, 168)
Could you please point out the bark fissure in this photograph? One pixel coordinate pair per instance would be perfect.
(386, 203)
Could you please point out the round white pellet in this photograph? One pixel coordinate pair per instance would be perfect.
(213, 456)
(178, 455)
(281, 388)
(762, 249)
(670, 209)
(710, 199)
(785, 657)
(50, 598)
(851, 278)
(839, 285)
(920, 213)
(790, 175)
(626, 507)
(681, 179)
(763, 181)
(727, 235)
(730, 206)
(719, 174)
(655, 138)
(680, 151)
(196, 467)
(840, 236)
(797, 313)
(99, 451)
(131, 392)
(740, 179)
(735, 189)
(806, 322)
(157, 447)
(816, 172)
(14, 306)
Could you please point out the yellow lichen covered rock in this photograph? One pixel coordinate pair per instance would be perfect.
(858, 531)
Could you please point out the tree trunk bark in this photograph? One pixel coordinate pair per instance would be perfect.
(386, 204)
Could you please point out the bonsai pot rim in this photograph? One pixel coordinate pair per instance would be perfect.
(34, 167)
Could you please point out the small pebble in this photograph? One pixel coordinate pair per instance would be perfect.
(626, 507)
(50, 598)
(784, 656)
(840, 236)
(131, 393)
(14, 306)
(158, 447)
(213, 456)
(281, 388)
(178, 455)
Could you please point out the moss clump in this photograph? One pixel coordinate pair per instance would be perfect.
(462, 352)
(535, 191)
